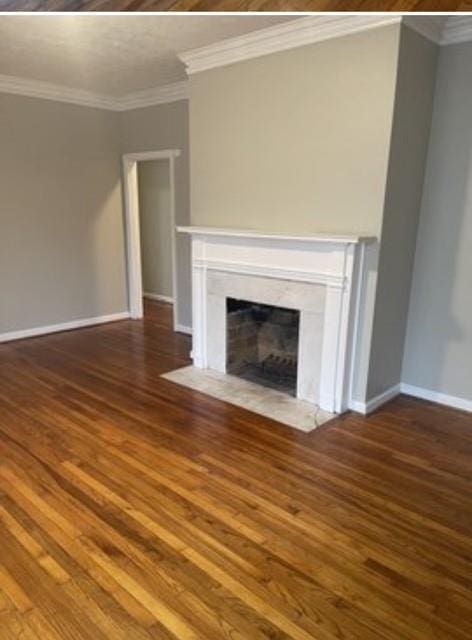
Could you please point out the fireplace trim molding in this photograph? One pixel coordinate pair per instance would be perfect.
(334, 262)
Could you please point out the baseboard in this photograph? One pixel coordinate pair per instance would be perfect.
(375, 403)
(436, 396)
(410, 390)
(63, 326)
(181, 328)
(159, 297)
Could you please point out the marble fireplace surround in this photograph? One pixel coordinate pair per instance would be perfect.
(319, 275)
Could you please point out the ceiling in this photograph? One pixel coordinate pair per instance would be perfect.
(114, 55)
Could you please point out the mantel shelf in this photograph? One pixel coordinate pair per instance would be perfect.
(247, 233)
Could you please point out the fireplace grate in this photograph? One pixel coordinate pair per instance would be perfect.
(279, 368)
(262, 344)
(274, 371)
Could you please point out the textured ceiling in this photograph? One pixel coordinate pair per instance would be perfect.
(112, 55)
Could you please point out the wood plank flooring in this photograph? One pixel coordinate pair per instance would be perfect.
(134, 509)
(236, 5)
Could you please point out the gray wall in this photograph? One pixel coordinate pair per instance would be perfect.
(296, 140)
(408, 150)
(155, 226)
(61, 239)
(62, 248)
(438, 352)
(62, 244)
(166, 127)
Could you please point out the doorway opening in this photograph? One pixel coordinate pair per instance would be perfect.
(149, 190)
(156, 232)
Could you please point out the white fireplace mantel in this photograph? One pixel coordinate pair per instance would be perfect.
(320, 275)
(282, 237)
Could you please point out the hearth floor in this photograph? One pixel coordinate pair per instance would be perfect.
(254, 397)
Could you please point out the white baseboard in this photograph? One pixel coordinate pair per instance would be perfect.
(375, 403)
(181, 328)
(159, 297)
(436, 396)
(411, 390)
(63, 326)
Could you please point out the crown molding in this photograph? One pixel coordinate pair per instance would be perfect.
(150, 97)
(315, 28)
(59, 93)
(457, 29)
(50, 91)
(310, 29)
(296, 33)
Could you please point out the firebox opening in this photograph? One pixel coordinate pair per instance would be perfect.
(262, 344)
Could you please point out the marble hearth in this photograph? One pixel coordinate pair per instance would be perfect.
(320, 276)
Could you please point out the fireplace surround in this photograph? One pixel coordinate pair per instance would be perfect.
(318, 276)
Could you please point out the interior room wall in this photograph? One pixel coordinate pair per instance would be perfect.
(296, 140)
(61, 239)
(166, 127)
(156, 226)
(438, 353)
(334, 164)
(408, 150)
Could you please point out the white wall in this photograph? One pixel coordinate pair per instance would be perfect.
(438, 353)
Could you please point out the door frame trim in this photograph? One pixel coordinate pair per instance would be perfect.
(133, 232)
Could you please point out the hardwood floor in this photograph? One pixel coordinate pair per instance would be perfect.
(236, 5)
(134, 509)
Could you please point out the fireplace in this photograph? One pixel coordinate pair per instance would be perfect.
(314, 284)
(262, 344)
